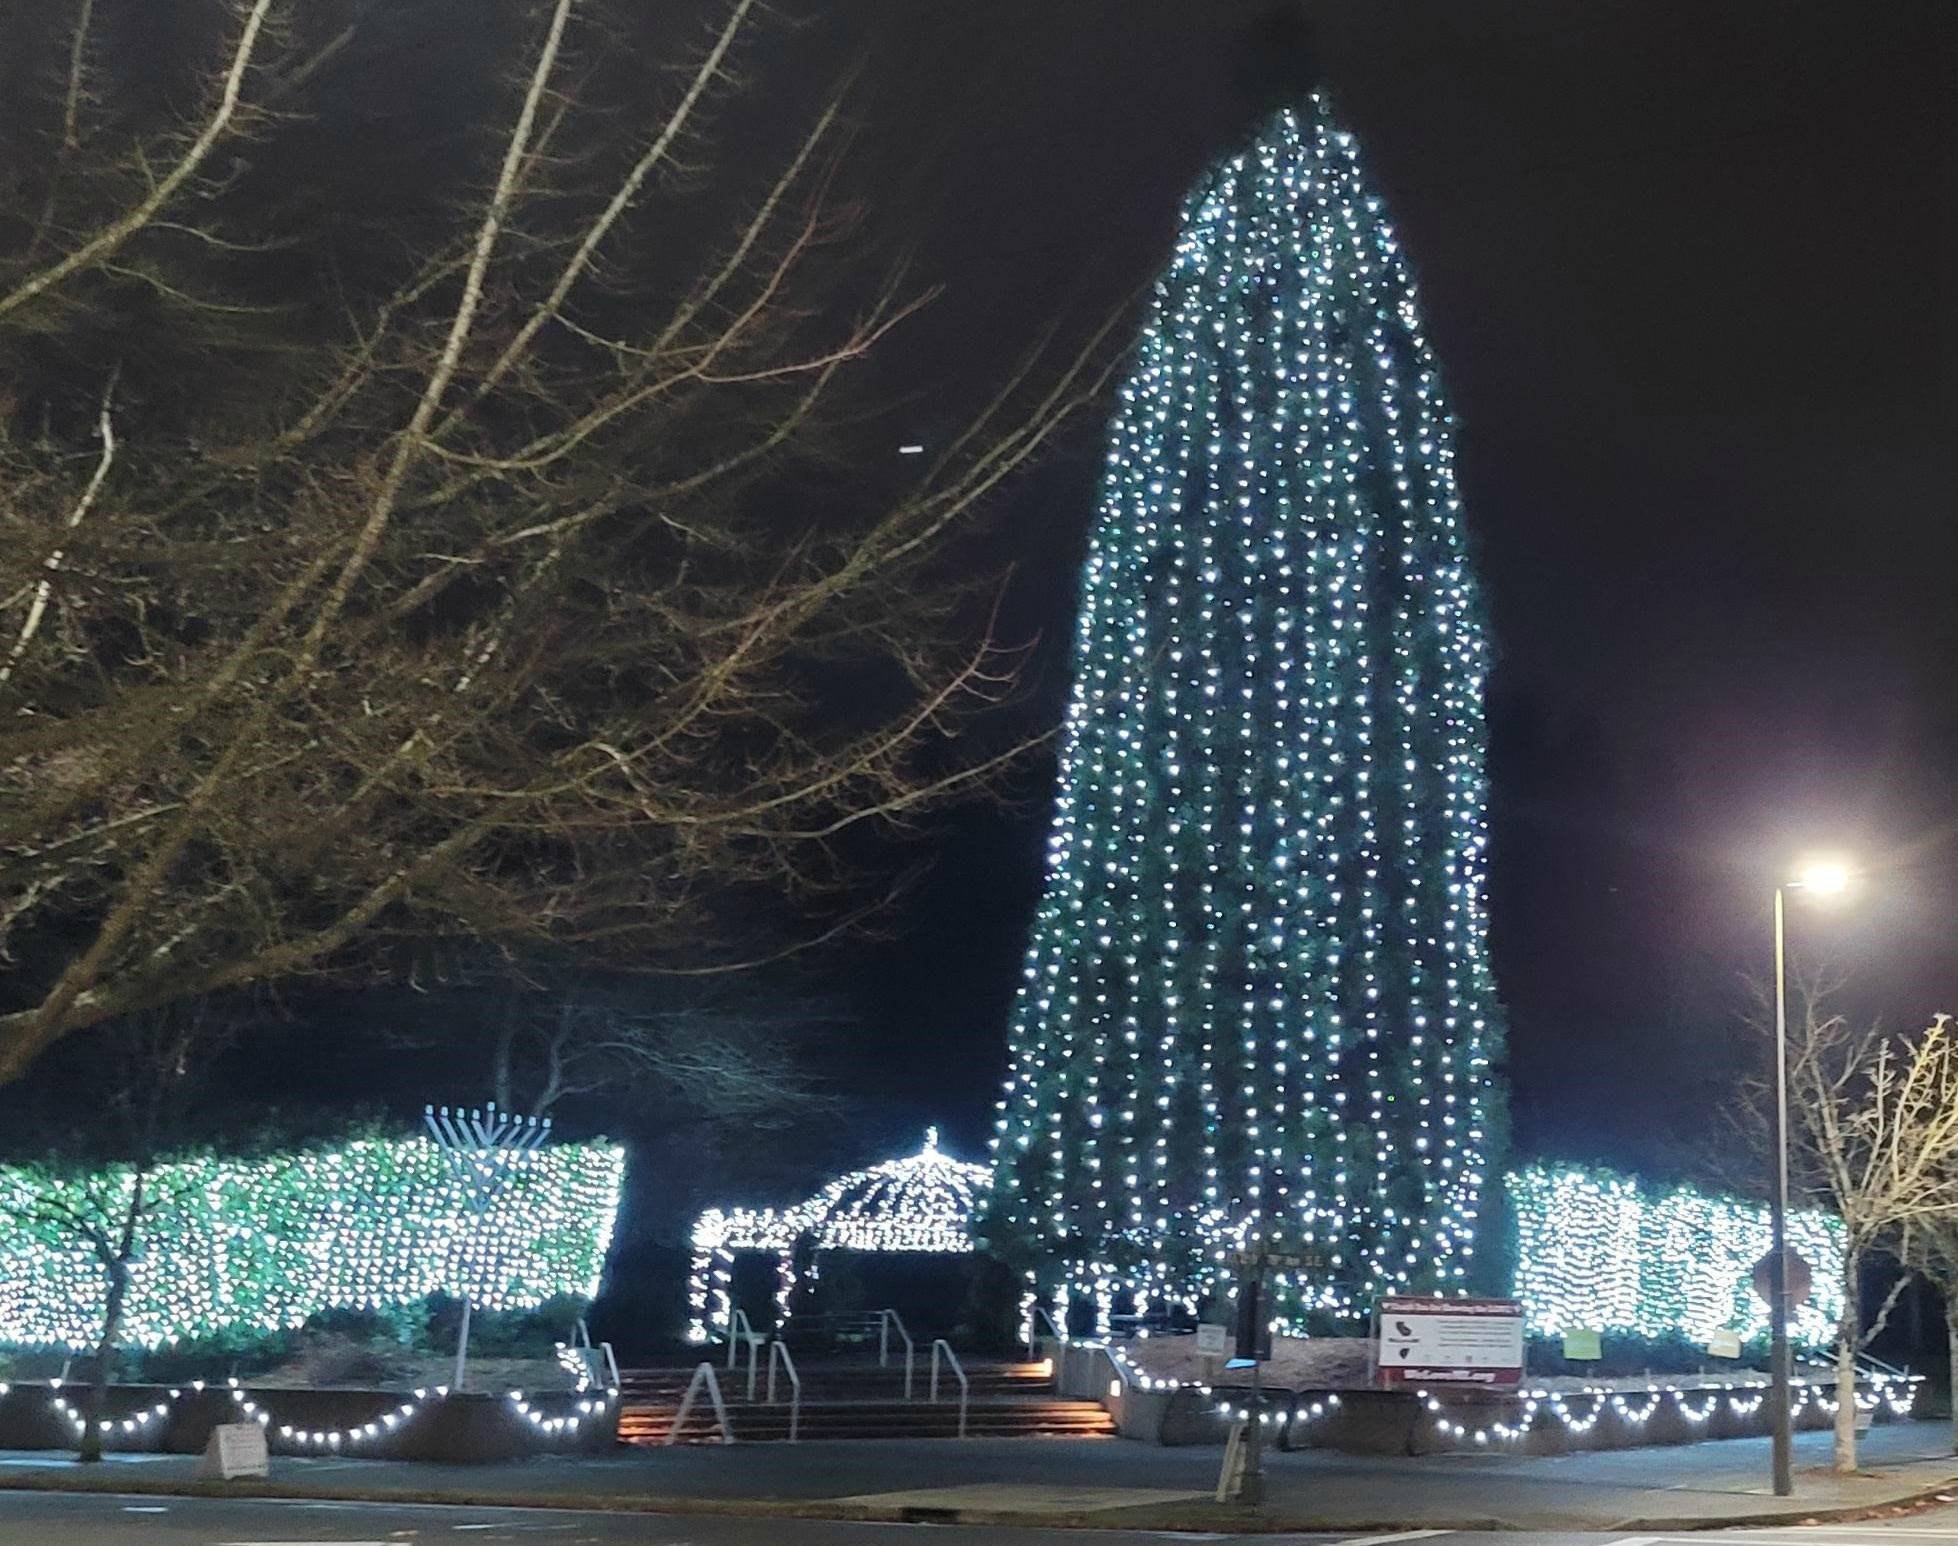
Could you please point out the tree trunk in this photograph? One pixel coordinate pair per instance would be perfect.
(90, 1448)
(506, 1042)
(1951, 1355)
(1849, 1334)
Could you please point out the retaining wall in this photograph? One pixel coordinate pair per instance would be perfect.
(456, 1427)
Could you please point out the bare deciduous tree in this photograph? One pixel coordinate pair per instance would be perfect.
(1874, 1139)
(99, 1191)
(508, 599)
(1932, 1251)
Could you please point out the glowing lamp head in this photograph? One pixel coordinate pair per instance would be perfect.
(1823, 878)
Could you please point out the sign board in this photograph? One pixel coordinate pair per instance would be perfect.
(1252, 1340)
(1213, 1341)
(1723, 1344)
(235, 1449)
(1583, 1346)
(1283, 1261)
(1428, 1341)
(1801, 1280)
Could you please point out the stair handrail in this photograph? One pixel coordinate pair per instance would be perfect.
(611, 1368)
(1040, 1313)
(886, 1319)
(746, 1336)
(703, 1374)
(778, 1352)
(965, 1385)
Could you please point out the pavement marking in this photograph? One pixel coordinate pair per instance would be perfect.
(1017, 1498)
(144, 1508)
(1638, 1540)
(1381, 1540)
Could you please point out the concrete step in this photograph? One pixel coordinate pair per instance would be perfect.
(649, 1424)
(848, 1383)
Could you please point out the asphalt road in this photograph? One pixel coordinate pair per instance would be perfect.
(72, 1519)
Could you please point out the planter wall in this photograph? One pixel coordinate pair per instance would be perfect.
(179, 1420)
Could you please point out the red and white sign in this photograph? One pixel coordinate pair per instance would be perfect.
(1429, 1341)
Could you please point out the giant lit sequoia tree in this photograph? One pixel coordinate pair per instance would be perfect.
(1257, 1002)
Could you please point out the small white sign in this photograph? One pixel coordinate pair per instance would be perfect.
(1213, 1341)
(235, 1449)
(1723, 1344)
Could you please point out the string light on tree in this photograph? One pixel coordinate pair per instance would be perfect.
(1257, 993)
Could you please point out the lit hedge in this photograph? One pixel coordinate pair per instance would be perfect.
(261, 1245)
(1606, 1253)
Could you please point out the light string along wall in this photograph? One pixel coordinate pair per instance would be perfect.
(552, 1416)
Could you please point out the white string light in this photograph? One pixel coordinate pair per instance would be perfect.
(1258, 993)
(921, 1203)
(551, 1424)
(262, 1245)
(1606, 1253)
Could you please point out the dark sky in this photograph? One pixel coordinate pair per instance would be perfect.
(1688, 270)
(1687, 266)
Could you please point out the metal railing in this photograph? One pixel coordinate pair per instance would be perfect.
(740, 1331)
(598, 1353)
(779, 1353)
(887, 1320)
(1039, 1314)
(965, 1385)
(702, 1377)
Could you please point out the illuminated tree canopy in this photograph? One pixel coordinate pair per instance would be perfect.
(1257, 995)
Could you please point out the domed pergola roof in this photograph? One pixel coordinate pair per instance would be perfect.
(921, 1203)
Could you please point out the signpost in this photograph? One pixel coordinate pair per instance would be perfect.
(1213, 1343)
(1428, 1341)
(1244, 1473)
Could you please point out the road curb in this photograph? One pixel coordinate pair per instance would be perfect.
(1143, 1517)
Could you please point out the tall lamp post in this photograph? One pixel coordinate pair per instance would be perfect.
(1820, 880)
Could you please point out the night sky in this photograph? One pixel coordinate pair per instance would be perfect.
(1687, 265)
(1687, 269)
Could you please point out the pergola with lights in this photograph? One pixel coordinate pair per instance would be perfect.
(921, 1204)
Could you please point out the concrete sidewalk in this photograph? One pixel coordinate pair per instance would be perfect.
(1107, 1483)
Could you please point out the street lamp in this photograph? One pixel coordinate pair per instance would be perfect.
(1819, 878)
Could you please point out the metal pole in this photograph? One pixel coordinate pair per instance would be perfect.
(481, 1149)
(1778, 1364)
(462, 1344)
(1252, 1493)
